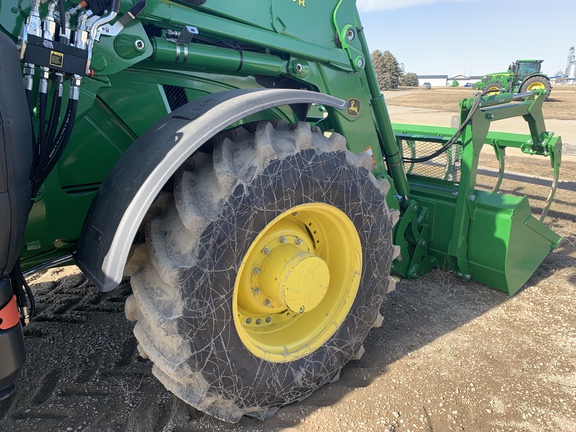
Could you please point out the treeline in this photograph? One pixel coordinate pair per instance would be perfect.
(389, 72)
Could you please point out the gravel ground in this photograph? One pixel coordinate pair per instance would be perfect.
(450, 356)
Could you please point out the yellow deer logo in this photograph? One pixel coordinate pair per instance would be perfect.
(353, 107)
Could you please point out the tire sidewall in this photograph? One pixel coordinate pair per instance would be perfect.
(306, 177)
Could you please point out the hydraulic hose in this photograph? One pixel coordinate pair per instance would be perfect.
(454, 137)
(42, 121)
(62, 11)
(54, 112)
(59, 144)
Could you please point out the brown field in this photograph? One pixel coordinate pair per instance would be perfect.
(561, 105)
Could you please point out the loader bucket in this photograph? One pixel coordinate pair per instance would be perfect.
(506, 243)
(450, 220)
(503, 245)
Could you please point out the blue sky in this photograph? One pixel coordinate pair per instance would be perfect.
(470, 37)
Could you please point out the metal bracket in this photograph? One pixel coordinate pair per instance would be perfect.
(116, 28)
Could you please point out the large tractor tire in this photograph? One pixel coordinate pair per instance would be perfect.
(493, 88)
(264, 271)
(537, 83)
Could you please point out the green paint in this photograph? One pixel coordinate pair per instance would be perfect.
(313, 45)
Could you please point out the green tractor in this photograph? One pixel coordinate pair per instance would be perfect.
(522, 76)
(237, 162)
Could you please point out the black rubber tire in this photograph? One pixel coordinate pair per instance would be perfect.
(183, 277)
(494, 85)
(537, 79)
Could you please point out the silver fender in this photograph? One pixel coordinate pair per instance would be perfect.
(128, 191)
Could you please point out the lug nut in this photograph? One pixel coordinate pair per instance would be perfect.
(298, 241)
(282, 239)
(266, 251)
(256, 291)
(256, 270)
(267, 303)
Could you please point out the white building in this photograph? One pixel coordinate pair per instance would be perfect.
(464, 80)
(434, 80)
(445, 80)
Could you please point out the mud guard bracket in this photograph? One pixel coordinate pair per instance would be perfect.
(125, 196)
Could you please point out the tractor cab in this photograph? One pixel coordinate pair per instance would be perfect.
(524, 68)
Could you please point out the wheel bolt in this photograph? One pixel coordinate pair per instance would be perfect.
(256, 270)
(267, 303)
(282, 239)
(256, 291)
(298, 241)
(266, 251)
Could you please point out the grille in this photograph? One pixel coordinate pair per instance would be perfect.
(445, 166)
(176, 96)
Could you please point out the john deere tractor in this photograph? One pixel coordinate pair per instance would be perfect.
(522, 76)
(237, 161)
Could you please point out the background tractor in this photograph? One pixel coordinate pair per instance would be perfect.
(237, 161)
(522, 76)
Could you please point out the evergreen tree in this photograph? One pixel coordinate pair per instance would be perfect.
(378, 61)
(410, 80)
(387, 68)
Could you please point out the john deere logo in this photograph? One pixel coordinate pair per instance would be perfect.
(56, 59)
(353, 107)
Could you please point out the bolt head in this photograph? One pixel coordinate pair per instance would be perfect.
(266, 251)
(139, 44)
(267, 303)
(472, 198)
(350, 34)
(298, 241)
(302, 309)
(256, 270)
(282, 239)
(256, 290)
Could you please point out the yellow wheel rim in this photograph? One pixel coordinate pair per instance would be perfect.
(536, 86)
(297, 282)
(492, 91)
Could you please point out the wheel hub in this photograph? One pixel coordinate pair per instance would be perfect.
(297, 282)
(295, 278)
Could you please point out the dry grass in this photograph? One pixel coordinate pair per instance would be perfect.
(561, 105)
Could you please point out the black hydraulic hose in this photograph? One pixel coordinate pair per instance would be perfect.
(29, 97)
(30, 296)
(21, 289)
(62, 11)
(454, 137)
(35, 147)
(42, 121)
(54, 113)
(59, 144)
